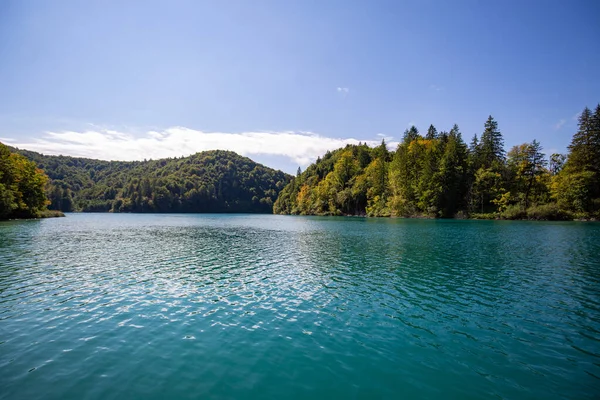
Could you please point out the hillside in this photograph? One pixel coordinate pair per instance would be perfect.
(210, 181)
(438, 175)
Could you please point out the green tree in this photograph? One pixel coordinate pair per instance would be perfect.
(486, 162)
(572, 190)
(22, 185)
(431, 133)
(557, 162)
(382, 151)
(577, 186)
(452, 175)
(491, 147)
(488, 190)
(404, 173)
(377, 188)
(527, 164)
(584, 150)
(427, 188)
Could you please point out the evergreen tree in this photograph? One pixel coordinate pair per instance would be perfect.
(453, 174)
(431, 133)
(474, 153)
(557, 162)
(382, 151)
(410, 135)
(582, 150)
(585, 147)
(577, 186)
(492, 144)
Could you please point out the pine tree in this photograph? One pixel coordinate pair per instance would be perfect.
(585, 148)
(474, 146)
(431, 133)
(595, 143)
(577, 186)
(557, 162)
(453, 174)
(581, 149)
(492, 144)
(382, 151)
(411, 134)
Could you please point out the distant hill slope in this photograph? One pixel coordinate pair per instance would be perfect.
(210, 181)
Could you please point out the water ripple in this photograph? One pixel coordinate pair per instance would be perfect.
(221, 306)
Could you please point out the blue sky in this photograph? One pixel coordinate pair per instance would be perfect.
(283, 81)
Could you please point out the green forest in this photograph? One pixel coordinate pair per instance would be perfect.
(210, 181)
(436, 175)
(439, 175)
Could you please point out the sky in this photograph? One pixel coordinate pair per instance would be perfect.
(284, 81)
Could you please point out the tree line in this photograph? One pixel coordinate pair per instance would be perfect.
(439, 175)
(431, 175)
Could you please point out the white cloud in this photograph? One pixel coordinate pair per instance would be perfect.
(560, 124)
(301, 147)
(436, 87)
(343, 90)
(388, 139)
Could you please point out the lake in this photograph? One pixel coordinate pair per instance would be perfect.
(125, 306)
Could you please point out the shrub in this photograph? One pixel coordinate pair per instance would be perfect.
(50, 214)
(514, 212)
(548, 212)
(484, 216)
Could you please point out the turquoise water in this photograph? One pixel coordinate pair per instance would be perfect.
(103, 306)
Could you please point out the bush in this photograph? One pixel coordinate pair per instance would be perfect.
(484, 216)
(514, 212)
(50, 214)
(548, 212)
(461, 215)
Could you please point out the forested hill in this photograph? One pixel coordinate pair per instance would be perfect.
(439, 175)
(210, 181)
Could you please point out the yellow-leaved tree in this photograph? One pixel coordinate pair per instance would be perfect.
(21, 186)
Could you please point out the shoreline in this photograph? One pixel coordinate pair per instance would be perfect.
(473, 217)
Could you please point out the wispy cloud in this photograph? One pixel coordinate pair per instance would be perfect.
(560, 124)
(436, 87)
(301, 147)
(343, 90)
